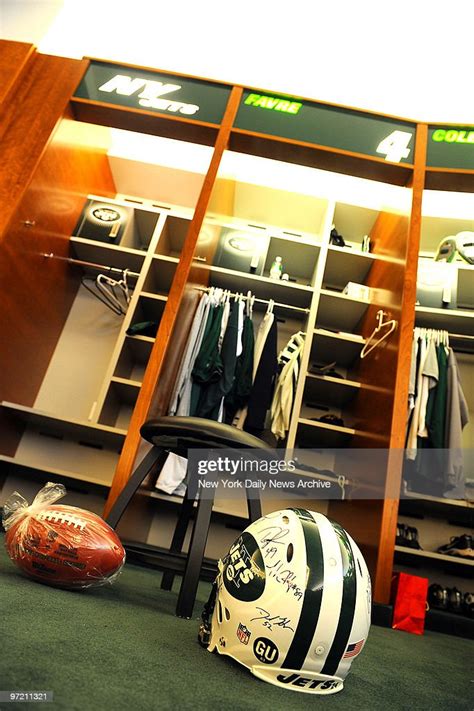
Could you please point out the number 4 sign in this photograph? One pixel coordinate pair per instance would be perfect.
(395, 146)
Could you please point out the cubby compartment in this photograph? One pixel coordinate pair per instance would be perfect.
(107, 255)
(80, 360)
(299, 258)
(435, 228)
(353, 222)
(111, 222)
(172, 236)
(331, 346)
(148, 311)
(160, 275)
(344, 265)
(349, 263)
(70, 448)
(133, 358)
(119, 403)
(312, 434)
(330, 391)
(339, 311)
(466, 287)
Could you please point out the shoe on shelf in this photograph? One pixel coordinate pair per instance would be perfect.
(460, 546)
(468, 605)
(437, 597)
(455, 600)
(401, 536)
(412, 538)
(407, 536)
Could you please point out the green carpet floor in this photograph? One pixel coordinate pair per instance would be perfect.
(121, 647)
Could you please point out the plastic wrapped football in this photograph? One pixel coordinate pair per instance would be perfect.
(60, 545)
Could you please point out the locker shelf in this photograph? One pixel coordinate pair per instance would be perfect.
(96, 433)
(339, 311)
(330, 346)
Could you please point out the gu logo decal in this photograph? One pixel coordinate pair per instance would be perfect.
(243, 633)
(244, 569)
(265, 650)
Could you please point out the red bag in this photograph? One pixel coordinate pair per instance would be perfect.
(409, 594)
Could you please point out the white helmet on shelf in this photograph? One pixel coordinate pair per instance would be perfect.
(291, 602)
(462, 244)
(465, 245)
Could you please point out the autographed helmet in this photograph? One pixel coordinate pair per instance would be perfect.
(291, 602)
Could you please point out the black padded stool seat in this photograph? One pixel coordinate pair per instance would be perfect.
(179, 435)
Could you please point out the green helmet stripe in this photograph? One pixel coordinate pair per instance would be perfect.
(313, 594)
(349, 595)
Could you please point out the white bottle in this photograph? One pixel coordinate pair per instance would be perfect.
(277, 269)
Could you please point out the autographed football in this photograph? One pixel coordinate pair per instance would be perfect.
(66, 547)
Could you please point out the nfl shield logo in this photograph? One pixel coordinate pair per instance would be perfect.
(243, 633)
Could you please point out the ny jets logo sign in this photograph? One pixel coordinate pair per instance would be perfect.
(150, 94)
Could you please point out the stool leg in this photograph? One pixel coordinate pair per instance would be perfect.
(254, 506)
(156, 457)
(178, 538)
(189, 584)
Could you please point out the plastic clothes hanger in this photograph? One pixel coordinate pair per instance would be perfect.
(106, 285)
(103, 294)
(373, 341)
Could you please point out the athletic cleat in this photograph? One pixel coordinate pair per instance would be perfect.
(468, 604)
(455, 600)
(460, 546)
(438, 597)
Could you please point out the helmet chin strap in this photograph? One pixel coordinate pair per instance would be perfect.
(204, 634)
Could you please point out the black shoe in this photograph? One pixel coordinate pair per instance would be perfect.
(460, 546)
(438, 597)
(455, 600)
(401, 538)
(336, 239)
(412, 538)
(331, 419)
(468, 605)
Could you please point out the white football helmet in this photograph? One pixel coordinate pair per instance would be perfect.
(462, 244)
(291, 602)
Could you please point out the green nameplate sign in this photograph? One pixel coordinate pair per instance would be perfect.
(331, 126)
(451, 147)
(152, 91)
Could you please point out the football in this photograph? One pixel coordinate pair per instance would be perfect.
(66, 547)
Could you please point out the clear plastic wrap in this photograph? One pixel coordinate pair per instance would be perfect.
(61, 545)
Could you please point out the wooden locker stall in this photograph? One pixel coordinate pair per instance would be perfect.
(76, 385)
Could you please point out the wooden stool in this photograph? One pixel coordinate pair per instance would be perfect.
(178, 435)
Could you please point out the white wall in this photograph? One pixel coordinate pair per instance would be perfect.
(410, 58)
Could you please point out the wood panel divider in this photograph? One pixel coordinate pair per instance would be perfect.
(165, 331)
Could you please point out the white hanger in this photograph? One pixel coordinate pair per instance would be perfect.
(370, 344)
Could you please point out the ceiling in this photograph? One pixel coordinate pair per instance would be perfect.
(407, 59)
